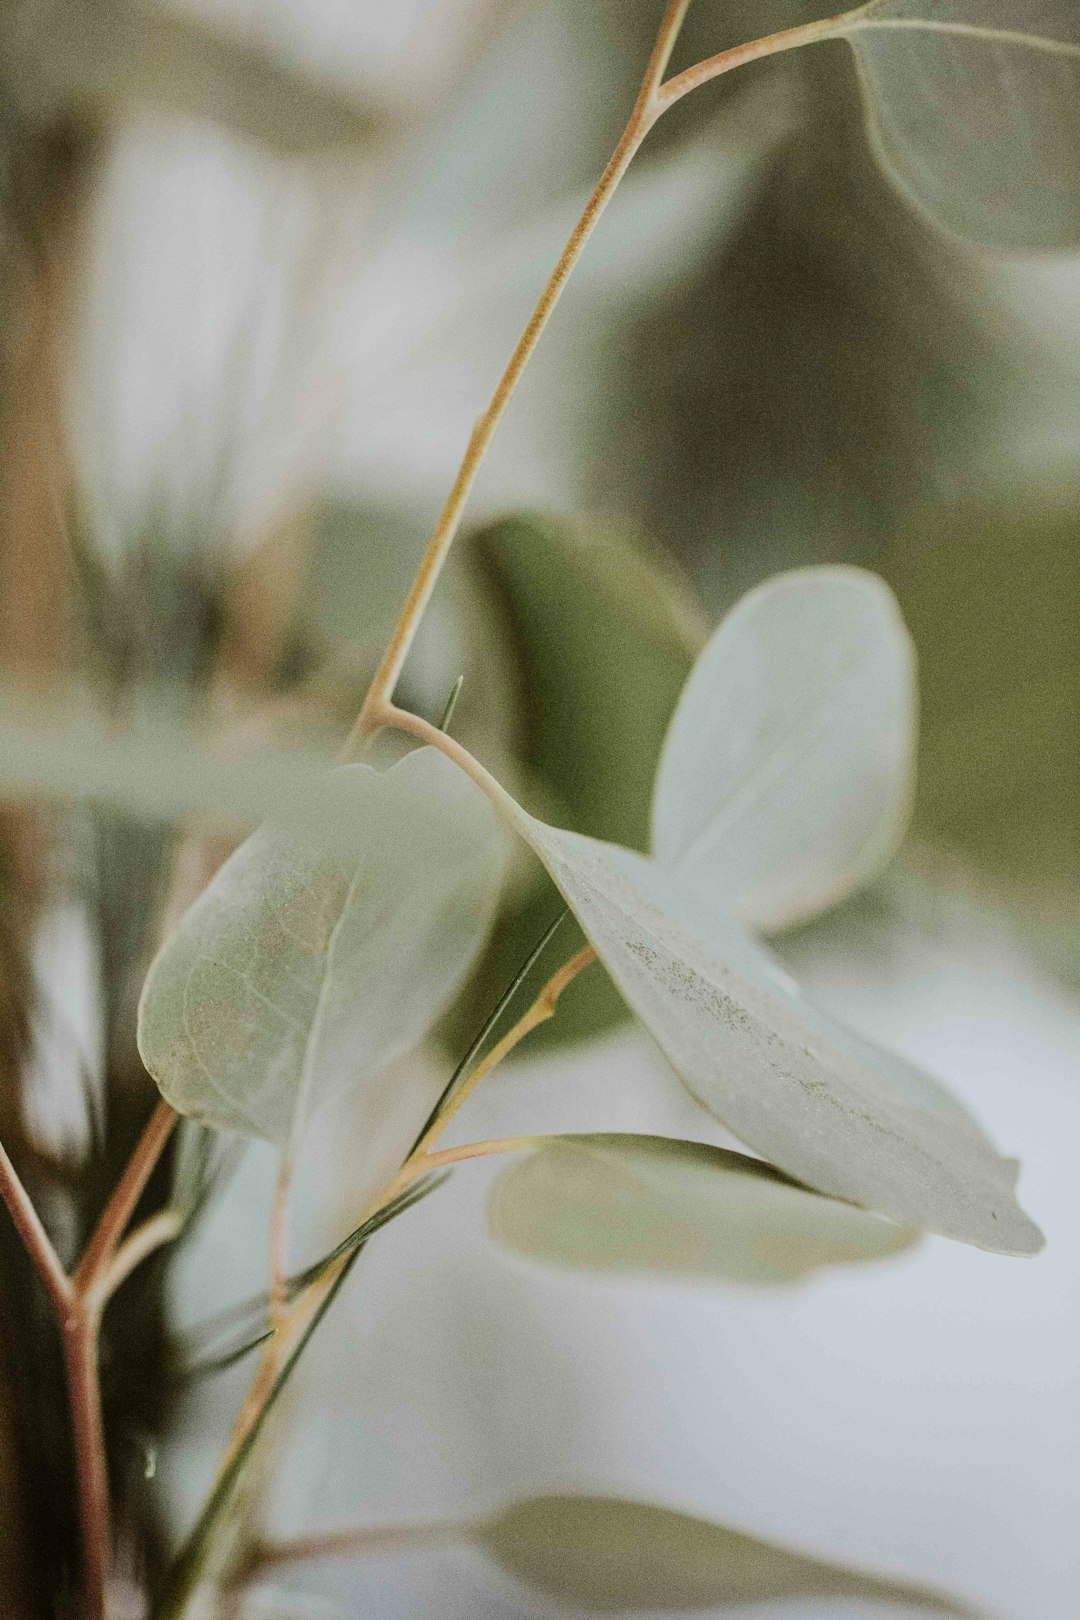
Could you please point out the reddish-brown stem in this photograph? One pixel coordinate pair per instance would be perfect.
(129, 1189)
(80, 1339)
(35, 1239)
(78, 1301)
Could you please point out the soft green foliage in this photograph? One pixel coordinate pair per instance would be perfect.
(155, 768)
(112, 56)
(771, 1067)
(975, 109)
(785, 779)
(603, 1553)
(651, 1206)
(605, 634)
(294, 975)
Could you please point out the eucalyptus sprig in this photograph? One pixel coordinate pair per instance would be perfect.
(332, 940)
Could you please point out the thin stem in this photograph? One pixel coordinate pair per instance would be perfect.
(789, 39)
(279, 1243)
(80, 1340)
(365, 1543)
(541, 1010)
(478, 1150)
(295, 1316)
(401, 720)
(647, 109)
(35, 1239)
(152, 1235)
(129, 1189)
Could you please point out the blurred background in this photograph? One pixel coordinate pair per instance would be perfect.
(261, 263)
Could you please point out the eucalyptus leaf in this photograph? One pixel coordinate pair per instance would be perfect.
(766, 1063)
(296, 974)
(824, 650)
(974, 107)
(154, 769)
(650, 1205)
(787, 773)
(605, 1553)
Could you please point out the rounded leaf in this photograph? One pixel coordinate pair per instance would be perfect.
(297, 973)
(608, 1554)
(787, 773)
(974, 107)
(653, 1206)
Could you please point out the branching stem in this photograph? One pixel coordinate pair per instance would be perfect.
(129, 1189)
(35, 1239)
(378, 709)
(653, 100)
(645, 112)
(78, 1301)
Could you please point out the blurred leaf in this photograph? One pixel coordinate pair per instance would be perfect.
(608, 1554)
(1000, 684)
(606, 632)
(650, 1205)
(152, 769)
(974, 106)
(118, 54)
(786, 775)
(294, 975)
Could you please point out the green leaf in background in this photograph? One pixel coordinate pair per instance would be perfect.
(787, 772)
(653, 1206)
(116, 55)
(605, 1553)
(295, 975)
(1000, 683)
(974, 106)
(606, 633)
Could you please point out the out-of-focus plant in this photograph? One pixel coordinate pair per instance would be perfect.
(337, 935)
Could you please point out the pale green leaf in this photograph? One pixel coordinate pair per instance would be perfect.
(296, 974)
(974, 106)
(786, 777)
(653, 1206)
(605, 1553)
(153, 768)
(770, 1066)
(113, 55)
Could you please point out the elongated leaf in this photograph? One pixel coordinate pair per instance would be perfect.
(786, 776)
(158, 770)
(653, 1206)
(974, 106)
(296, 974)
(607, 1554)
(767, 1064)
(116, 54)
